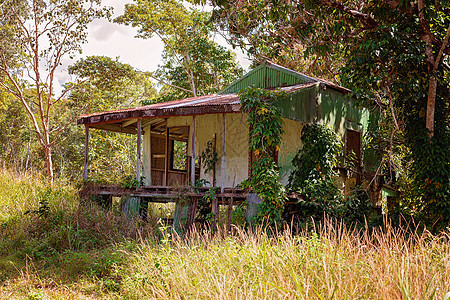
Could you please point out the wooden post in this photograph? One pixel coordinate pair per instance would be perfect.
(192, 211)
(214, 166)
(138, 154)
(215, 204)
(224, 148)
(230, 210)
(215, 211)
(166, 160)
(193, 151)
(148, 157)
(86, 151)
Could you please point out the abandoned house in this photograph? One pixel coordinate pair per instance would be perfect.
(171, 136)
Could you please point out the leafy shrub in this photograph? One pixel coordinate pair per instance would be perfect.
(313, 172)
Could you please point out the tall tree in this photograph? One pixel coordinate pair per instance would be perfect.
(38, 35)
(193, 63)
(108, 84)
(395, 53)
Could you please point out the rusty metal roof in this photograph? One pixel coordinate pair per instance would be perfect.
(207, 100)
(209, 104)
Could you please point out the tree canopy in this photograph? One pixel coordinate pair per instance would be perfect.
(193, 64)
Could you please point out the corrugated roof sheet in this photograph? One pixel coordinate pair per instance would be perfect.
(192, 101)
(270, 75)
(189, 106)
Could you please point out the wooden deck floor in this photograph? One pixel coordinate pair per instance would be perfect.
(161, 193)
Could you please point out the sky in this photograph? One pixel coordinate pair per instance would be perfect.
(114, 40)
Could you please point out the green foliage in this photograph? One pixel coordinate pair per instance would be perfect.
(193, 64)
(313, 173)
(317, 158)
(213, 67)
(103, 72)
(427, 194)
(130, 182)
(179, 155)
(110, 84)
(205, 205)
(44, 203)
(357, 209)
(92, 253)
(54, 30)
(266, 129)
(239, 215)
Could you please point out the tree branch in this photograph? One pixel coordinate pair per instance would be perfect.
(441, 51)
(365, 19)
(163, 82)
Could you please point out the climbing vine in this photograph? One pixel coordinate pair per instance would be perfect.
(313, 171)
(266, 129)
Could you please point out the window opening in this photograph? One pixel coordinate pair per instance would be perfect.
(179, 153)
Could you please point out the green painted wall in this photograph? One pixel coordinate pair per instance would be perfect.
(302, 105)
(330, 107)
(316, 104)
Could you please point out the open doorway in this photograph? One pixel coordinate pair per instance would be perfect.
(170, 163)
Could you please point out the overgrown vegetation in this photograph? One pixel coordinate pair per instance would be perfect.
(391, 54)
(314, 174)
(266, 129)
(315, 177)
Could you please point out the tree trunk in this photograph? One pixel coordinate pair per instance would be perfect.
(49, 163)
(431, 105)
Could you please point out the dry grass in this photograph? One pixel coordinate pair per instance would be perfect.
(329, 263)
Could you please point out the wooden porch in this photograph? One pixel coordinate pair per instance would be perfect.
(227, 198)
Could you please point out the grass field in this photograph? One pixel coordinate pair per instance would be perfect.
(81, 252)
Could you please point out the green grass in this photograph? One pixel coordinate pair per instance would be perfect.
(20, 193)
(83, 252)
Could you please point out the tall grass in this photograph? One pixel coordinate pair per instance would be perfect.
(20, 193)
(84, 252)
(328, 263)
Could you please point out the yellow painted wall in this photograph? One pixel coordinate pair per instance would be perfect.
(290, 144)
(236, 162)
(207, 126)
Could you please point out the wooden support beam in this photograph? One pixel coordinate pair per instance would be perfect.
(224, 150)
(160, 124)
(166, 160)
(193, 151)
(115, 128)
(230, 210)
(86, 151)
(146, 122)
(215, 210)
(138, 156)
(192, 211)
(129, 122)
(214, 166)
(148, 156)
